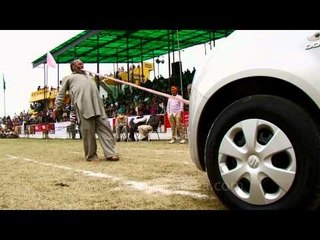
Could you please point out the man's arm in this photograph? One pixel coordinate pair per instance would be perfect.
(138, 120)
(59, 102)
(168, 106)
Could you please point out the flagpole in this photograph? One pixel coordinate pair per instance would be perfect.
(45, 87)
(4, 101)
(4, 96)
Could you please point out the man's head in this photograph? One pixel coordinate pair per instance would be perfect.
(76, 65)
(174, 90)
(121, 111)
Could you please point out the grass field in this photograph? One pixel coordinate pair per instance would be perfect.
(52, 174)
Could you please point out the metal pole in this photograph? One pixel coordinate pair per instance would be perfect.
(4, 101)
(98, 60)
(46, 83)
(154, 65)
(58, 70)
(45, 71)
(4, 97)
(169, 60)
(180, 67)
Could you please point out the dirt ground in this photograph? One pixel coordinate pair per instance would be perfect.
(52, 174)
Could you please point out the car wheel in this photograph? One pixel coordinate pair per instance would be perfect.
(262, 152)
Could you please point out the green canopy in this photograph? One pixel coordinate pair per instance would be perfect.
(123, 46)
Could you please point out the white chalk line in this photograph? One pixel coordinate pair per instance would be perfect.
(75, 152)
(140, 186)
(157, 151)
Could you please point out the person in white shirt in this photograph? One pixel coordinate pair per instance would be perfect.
(174, 111)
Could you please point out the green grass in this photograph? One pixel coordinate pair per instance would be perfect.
(53, 174)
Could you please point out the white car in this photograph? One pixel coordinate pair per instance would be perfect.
(254, 119)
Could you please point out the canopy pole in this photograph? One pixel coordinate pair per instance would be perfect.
(154, 65)
(141, 73)
(180, 67)
(98, 60)
(169, 61)
(45, 70)
(58, 71)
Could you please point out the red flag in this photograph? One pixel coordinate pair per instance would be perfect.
(50, 60)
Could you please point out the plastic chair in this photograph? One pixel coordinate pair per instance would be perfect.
(154, 130)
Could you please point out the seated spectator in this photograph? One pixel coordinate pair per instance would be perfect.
(135, 123)
(121, 124)
(152, 124)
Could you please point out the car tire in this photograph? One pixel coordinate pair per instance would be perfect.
(262, 152)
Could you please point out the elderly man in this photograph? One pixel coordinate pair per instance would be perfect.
(90, 112)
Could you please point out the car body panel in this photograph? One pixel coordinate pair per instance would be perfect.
(277, 54)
